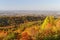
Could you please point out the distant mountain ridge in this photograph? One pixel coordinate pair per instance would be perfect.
(29, 12)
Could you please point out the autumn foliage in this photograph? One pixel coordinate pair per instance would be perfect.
(30, 28)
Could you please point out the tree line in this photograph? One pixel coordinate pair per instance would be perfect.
(5, 21)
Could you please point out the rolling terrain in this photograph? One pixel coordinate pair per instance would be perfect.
(29, 25)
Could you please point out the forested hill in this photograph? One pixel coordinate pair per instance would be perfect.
(12, 20)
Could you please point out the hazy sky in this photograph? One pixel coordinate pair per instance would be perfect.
(30, 5)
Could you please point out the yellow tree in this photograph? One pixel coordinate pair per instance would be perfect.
(48, 22)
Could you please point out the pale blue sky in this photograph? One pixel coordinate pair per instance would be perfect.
(30, 5)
